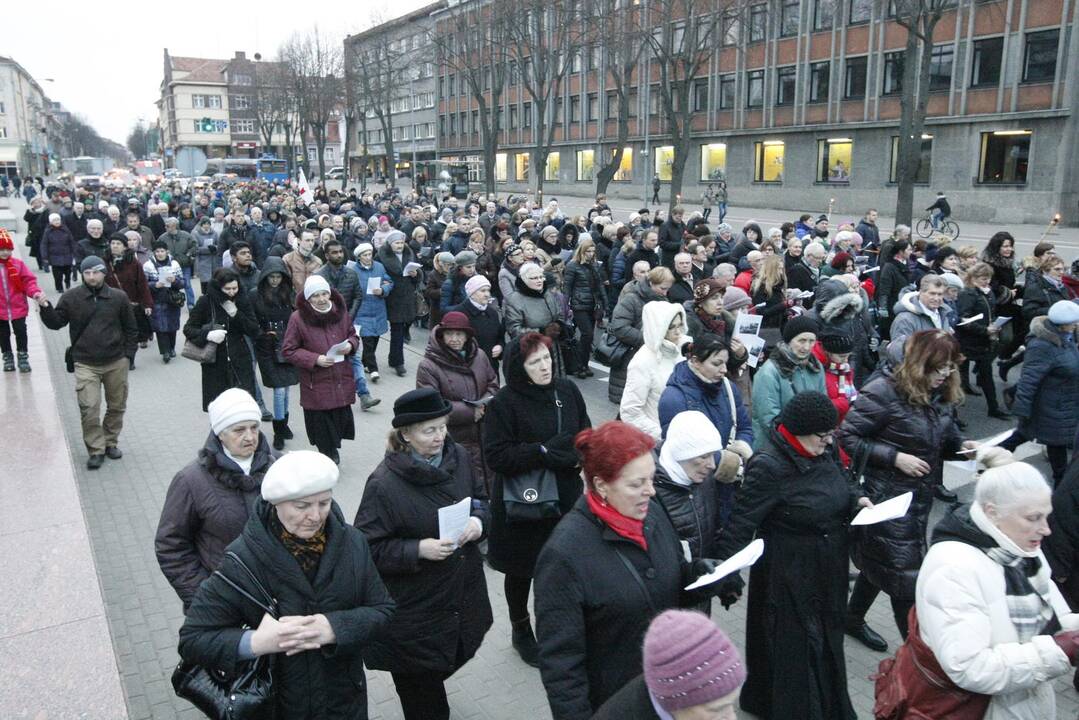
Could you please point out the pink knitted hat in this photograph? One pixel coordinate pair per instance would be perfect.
(688, 661)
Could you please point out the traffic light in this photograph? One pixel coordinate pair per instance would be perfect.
(207, 125)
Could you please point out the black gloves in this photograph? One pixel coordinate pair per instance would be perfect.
(729, 589)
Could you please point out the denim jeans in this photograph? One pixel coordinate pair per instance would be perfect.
(357, 372)
(280, 402)
(188, 289)
(722, 210)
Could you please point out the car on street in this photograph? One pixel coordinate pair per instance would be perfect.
(335, 173)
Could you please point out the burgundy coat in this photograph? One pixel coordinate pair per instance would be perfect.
(458, 379)
(129, 277)
(311, 334)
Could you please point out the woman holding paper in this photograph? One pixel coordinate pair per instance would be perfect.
(978, 337)
(902, 426)
(799, 500)
(371, 316)
(318, 341)
(433, 572)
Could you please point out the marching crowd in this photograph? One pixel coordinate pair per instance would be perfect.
(770, 384)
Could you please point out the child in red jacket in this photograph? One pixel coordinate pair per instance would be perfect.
(17, 283)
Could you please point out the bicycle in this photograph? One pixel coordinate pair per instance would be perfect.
(948, 228)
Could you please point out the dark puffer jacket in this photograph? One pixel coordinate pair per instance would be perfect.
(1039, 294)
(273, 308)
(1047, 394)
(882, 423)
(440, 605)
(328, 684)
(1062, 546)
(693, 510)
(346, 281)
(206, 508)
(582, 285)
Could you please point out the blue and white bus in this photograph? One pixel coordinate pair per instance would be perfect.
(266, 168)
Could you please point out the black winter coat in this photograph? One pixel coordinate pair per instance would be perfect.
(670, 240)
(442, 607)
(488, 326)
(206, 508)
(346, 281)
(894, 276)
(592, 613)
(801, 507)
(632, 702)
(974, 336)
(272, 309)
(1062, 546)
(233, 366)
(693, 510)
(582, 284)
(801, 277)
(324, 684)
(883, 424)
(520, 434)
(401, 302)
(102, 321)
(1039, 294)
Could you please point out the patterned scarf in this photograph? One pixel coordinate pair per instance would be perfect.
(308, 553)
(1026, 592)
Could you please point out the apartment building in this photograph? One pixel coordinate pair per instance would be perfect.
(799, 103)
(31, 125)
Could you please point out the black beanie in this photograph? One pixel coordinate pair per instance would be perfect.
(799, 325)
(809, 412)
(836, 342)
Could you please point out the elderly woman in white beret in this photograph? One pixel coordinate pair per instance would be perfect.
(329, 598)
(207, 503)
(986, 608)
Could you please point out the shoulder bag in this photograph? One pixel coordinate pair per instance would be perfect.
(611, 351)
(204, 354)
(533, 495)
(69, 354)
(249, 694)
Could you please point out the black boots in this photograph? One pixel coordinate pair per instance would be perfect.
(524, 642)
(860, 631)
(9, 362)
(281, 433)
(1006, 365)
(285, 429)
(969, 390)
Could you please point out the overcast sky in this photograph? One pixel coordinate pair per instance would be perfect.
(106, 60)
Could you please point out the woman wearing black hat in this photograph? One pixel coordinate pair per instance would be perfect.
(442, 607)
(797, 497)
(166, 281)
(790, 369)
(530, 426)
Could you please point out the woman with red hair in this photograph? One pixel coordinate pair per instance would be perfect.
(610, 566)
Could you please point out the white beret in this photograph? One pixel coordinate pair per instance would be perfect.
(299, 474)
(230, 407)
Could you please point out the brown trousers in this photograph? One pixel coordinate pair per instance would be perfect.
(98, 434)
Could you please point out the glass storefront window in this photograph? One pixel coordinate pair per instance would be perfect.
(1005, 157)
(625, 168)
(500, 167)
(713, 162)
(554, 164)
(521, 163)
(664, 162)
(768, 161)
(833, 160)
(586, 164)
(923, 168)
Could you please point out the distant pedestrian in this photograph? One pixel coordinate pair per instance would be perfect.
(58, 251)
(655, 189)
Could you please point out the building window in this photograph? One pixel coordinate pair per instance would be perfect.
(893, 73)
(823, 14)
(241, 79)
(554, 164)
(768, 161)
(243, 126)
(785, 85)
(624, 173)
(586, 164)
(726, 92)
(520, 161)
(985, 65)
(758, 22)
(575, 63)
(500, 167)
(198, 101)
(713, 162)
(1004, 158)
(453, 124)
(400, 133)
(854, 86)
(526, 115)
(653, 99)
(922, 176)
(594, 57)
(513, 117)
(575, 108)
(755, 83)
(3, 131)
(789, 17)
(213, 101)
(664, 162)
(732, 28)
(612, 106)
(833, 160)
(860, 11)
(1040, 56)
(700, 96)
(819, 75)
(475, 121)
(632, 101)
(240, 102)
(940, 68)
(592, 107)
(558, 112)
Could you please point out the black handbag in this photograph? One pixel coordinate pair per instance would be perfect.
(611, 351)
(533, 495)
(247, 695)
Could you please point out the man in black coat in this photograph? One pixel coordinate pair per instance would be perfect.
(867, 228)
(104, 337)
(894, 276)
(647, 251)
(671, 234)
(685, 277)
(805, 274)
(341, 278)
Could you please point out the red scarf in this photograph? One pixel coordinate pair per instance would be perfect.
(630, 529)
(793, 440)
(13, 278)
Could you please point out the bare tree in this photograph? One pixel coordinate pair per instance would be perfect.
(272, 100)
(619, 41)
(680, 36)
(315, 74)
(471, 42)
(379, 69)
(919, 18)
(542, 45)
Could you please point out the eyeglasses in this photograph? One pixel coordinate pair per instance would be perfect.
(945, 371)
(825, 437)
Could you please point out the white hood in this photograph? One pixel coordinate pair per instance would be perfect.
(655, 319)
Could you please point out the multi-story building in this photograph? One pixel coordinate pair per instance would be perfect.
(240, 74)
(799, 103)
(31, 125)
(412, 108)
(194, 107)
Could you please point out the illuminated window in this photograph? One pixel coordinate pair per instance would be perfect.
(586, 164)
(664, 162)
(922, 176)
(1005, 157)
(624, 173)
(768, 161)
(833, 160)
(500, 167)
(521, 165)
(554, 164)
(713, 161)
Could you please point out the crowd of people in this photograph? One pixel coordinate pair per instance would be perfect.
(770, 383)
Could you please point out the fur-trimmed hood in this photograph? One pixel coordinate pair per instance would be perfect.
(839, 307)
(909, 302)
(1043, 329)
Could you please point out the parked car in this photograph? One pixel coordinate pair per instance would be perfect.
(335, 173)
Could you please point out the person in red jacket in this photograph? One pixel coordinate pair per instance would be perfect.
(17, 283)
(833, 349)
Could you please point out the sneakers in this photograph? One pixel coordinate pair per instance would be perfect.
(114, 453)
(373, 376)
(9, 362)
(367, 402)
(24, 362)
